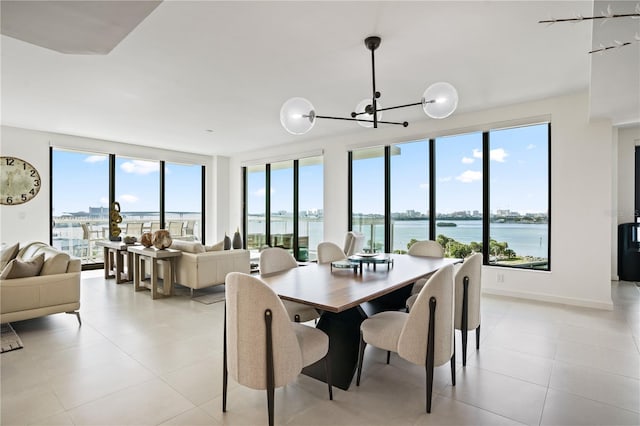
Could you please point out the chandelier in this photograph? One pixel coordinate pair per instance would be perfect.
(439, 100)
(604, 16)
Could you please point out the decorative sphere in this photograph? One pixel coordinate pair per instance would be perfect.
(162, 239)
(146, 239)
(297, 116)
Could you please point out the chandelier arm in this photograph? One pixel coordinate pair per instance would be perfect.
(404, 123)
(585, 18)
(402, 106)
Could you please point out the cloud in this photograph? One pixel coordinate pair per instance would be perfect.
(104, 201)
(467, 160)
(95, 158)
(424, 186)
(140, 167)
(469, 176)
(445, 179)
(128, 198)
(262, 191)
(498, 154)
(531, 146)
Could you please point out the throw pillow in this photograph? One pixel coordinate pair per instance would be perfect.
(23, 268)
(8, 254)
(216, 247)
(188, 246)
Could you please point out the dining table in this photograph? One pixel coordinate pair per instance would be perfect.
(347, 296)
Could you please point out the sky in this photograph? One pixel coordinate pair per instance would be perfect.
(81, 180)
(518, 161)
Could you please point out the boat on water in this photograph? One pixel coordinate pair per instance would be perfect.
(446, 224)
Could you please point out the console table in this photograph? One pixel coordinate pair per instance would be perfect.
(157, 258)
(115, 253)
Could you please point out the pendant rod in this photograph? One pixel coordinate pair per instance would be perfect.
(373, 79)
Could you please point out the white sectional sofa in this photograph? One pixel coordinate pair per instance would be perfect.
(56, 289)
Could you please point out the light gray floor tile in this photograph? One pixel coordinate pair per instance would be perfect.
(561, 408)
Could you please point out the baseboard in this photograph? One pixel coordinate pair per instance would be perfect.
(585, 303)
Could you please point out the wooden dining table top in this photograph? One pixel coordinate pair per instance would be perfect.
(336, 290)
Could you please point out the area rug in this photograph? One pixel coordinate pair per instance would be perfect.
(10, 340)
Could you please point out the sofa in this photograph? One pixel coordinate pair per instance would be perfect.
(54, 289)
(202, 266)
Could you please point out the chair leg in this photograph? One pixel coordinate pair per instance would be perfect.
(388, 356)
(268, 317)
(453, 369)
(77, 314)
(363, 344)
(464, 323)
(428, 365)
(327, 370)
(478, 337)
(225, 373)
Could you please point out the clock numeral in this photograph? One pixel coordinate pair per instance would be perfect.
(32, 191)
(24, 197)
(9, 200)
(33, 173)
(36, 182)
(10, 161)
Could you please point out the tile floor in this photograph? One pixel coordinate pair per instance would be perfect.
(136, 361)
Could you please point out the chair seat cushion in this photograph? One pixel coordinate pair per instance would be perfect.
(383, 330)
(306, 312)
(314, 343)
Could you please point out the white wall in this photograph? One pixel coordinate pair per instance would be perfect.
(628, 139)
(30, 221)
(581, 173)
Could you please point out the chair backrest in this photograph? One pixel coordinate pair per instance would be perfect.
(472, 268)
(175, 228)
(134, 229)
(155, 226)
(189, 227)
(86, 231)
(353, 243)
(426, 248)
(247, 299)
(329, 252)
(275, 259)
(412, 344)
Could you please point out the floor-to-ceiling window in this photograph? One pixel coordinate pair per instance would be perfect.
(519, 196)
(368, 196)
(80, 210)
(284, 206)
(255, 193)
(183, 200)
(458, 193)
(409, 194)
(281, 213)
(310, 207)
(485, 192)
(138, 193)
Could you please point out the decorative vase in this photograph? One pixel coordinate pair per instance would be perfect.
(237, 239)
(162, 239)
(227, 242)
(129, 239)
(146, 239)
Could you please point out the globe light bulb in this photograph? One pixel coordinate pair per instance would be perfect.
(440, 100)
(361, 108)
(297, 116)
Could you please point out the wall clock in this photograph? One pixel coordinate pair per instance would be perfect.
(19, 181)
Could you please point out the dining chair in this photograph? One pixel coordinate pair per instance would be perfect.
(175, 228)
(134, 229)
(262, 349)
(353, 243)
(275, 259)
(425, 248)
(155, 225)
(329, 252)
(90, 235)
(468, 286)
(423, 336)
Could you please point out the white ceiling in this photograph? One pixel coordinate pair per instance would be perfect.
(191, 67)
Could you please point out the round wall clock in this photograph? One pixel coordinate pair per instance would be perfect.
(19, 181)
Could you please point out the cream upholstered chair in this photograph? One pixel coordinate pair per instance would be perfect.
(424, 336)
(155, 226)
(468, 285)
(91, 235)
(353, 243)
(134, 229)
(426, 248)
(262, 348)
(329, 252)
(175, 228)
(275, 259)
